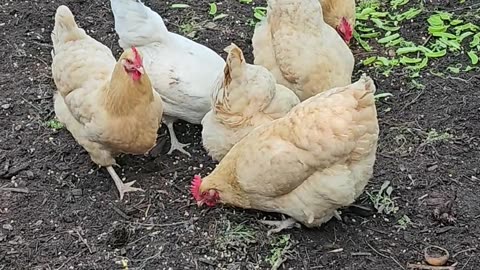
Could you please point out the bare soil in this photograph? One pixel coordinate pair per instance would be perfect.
(65, 212)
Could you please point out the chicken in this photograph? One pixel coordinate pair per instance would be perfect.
(182, 71)
(109, 107)
(303, 52)
(340, 14)
(247, 98)
(316, 159)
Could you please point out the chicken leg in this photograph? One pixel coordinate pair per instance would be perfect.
(122, 187)
(175, 144)
(280, 225)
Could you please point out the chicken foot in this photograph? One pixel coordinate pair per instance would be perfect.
(280, 224)
(122, 187)
(175, 144)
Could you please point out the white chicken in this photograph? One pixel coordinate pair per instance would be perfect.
(182, 71)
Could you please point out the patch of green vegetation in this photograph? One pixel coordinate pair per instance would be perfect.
(433, 136)
(213, 12)
(281, 245)
(380, 24)
(259, 13)
(236, 235)
(54, 124)
(382, 200)
(404, 222)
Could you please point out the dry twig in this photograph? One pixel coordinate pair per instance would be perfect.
(17, 190)
(429, 267)
(385, 256)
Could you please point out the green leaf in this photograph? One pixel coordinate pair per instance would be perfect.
(384, 185)
(464, 35)
(467, 26)
(259, 13)
(406, 50)
(365, 13)
(365, 29)
(473, 57)
(456, 22)
(407, 60)
(445, 15)
(394, 42)
(435, 20)
(388, 38)
(409, 14)
(389, 190)
(377, 14)
(362, 42)
(382, 25)
(213, 9)
(396, 3)
(437, 29)
(369, 61)
(179, 6)
(421, 65)
(444, 35)
(476, 40)
(452, 44)
(437, 54)
(455, 70)
(370, 35)
(220, 16)
(383, 61)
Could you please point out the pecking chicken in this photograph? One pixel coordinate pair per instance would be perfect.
(247, 98)
(316, 159)
(303, 52)
(182, 71)
(340, 14)
(109, 107)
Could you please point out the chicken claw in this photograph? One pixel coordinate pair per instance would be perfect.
(176, 145)
(336, 214)
(280, 225)
(122, 187)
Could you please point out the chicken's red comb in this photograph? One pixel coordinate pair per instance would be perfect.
(195, 187)
(347, 28)
(138, 59)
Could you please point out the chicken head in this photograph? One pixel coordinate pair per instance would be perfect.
(209, 197)
(132, 63)
(345, 30)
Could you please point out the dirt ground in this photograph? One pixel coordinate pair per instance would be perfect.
(65, 213)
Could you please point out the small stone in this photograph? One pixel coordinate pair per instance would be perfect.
(77, 192)
(30, 175)
(432, 168)
(38, 223)
(7, 227)
(6, 106)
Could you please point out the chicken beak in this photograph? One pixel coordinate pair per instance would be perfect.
(200, 203)
(141, 70)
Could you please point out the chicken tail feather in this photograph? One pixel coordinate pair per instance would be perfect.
(65, 29)
(137, 24)
(234, 69)
(367, 90)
